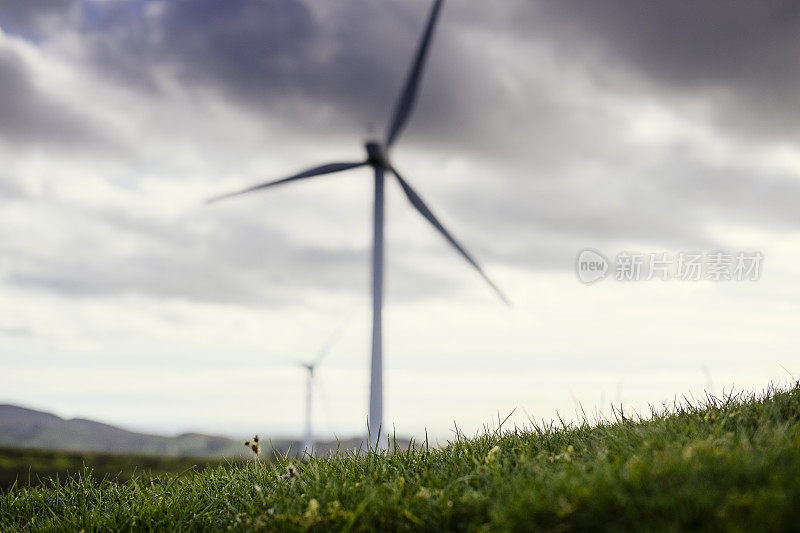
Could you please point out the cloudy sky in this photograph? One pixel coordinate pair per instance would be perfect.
(542, 128)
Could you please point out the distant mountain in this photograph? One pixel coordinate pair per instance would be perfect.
(21, 427)
(27, 428)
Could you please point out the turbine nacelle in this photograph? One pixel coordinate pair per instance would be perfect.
(377, 156)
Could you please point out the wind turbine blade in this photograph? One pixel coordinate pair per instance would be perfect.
(326, 406)
(409, 94)
(316, 171)
(423, 209)
(327, 347)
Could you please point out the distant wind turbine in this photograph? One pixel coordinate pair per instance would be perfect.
(378, 159)
(308, 434)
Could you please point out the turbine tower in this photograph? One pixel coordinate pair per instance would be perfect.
(308, 434)
(378, 159)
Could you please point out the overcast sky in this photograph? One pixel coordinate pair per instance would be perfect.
(542, 128)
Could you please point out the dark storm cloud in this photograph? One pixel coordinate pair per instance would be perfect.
(29, 117)
(275, 56)
(337, 68)
(241, 45)
(266, 54)
(21, 115)
(743, 57)
(327, 69)
(694, 44)
(33, 18)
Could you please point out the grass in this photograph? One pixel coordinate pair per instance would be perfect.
(729, 464)
(31, 466)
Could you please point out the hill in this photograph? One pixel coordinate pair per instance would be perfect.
(730, 464)
(21, 427)
(27, 428)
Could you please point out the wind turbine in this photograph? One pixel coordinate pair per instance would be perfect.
(308, 435)
(378, 159)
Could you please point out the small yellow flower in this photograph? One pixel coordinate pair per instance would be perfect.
(312, 512)
(491, 455)
(311, 516)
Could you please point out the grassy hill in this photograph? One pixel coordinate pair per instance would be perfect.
(21, 427)
(727, 465)
(27, 428)
(31, 466)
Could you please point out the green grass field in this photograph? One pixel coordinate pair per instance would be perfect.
(727, 465)
(31, 466)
